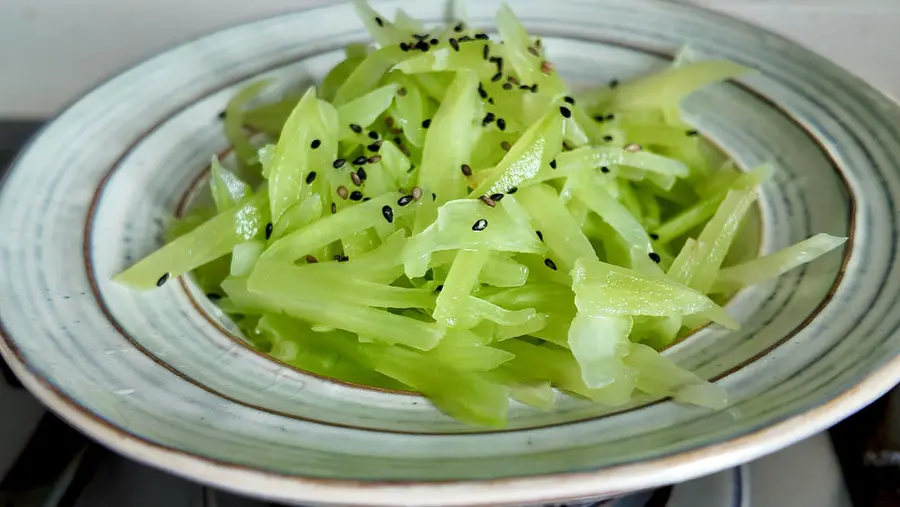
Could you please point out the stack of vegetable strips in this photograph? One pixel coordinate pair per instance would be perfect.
(441, 215)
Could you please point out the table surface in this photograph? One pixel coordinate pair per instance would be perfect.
(55, 49)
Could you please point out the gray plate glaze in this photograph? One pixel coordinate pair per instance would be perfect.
(156, 377)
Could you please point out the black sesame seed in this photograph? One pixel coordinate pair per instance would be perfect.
(540, 235)
(507, 86)
(333, 208)
(315, 144)
(533, 50)
(379, 21)
(604, 169)
(362, 174)
(496, 77)
(373, 147)
(360, 160)
(496, 197)
(433, 42)
(337, 164)
(356, 128)
(162, 280)
(403, 201)
(341, 258)
(433, 196)
(465, 38)
(607, 138)
(553, 164)
(569, 100)
(534, 88)
(311, 260)
(485, 51)
(459, 27)
(481, 36)
(501, 124)
(505, 145)
(366, 199)
(439, 288)
(311, 177)
(269, 228)
(598, 118)
(388, 213)
(610, 117)
(374, 159)
(404, 46)
(401, 92)
(513, 190)
(499, 61)
(422, 46)
(488, 118)
(692, 133)
(563, 110)
(454, 44)
(613, 83)
(374, 135)
(524, 87)
(212, 296)
(654, 236)
(426, 123)
(479, 225)
(481, 91)
(222, 115)
(491, 100)
(356, 195)
(550, 264)
(466, 170)
(654, 257)
(421, 37)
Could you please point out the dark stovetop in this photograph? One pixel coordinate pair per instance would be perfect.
(867, 443)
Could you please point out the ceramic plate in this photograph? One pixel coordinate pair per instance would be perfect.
(157, 377)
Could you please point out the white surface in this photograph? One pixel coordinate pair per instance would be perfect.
(52, 50)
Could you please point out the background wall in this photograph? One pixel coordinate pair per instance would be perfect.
(51, 50)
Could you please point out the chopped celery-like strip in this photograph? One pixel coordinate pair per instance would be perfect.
(227, 189)
(453, 301)
(599, 342)
(772, 265)
(244, 257)
(234, 122)
(215, 238)
(559, 231)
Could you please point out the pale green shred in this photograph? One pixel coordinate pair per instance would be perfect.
(440, 215)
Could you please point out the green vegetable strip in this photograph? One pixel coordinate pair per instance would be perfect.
(717, 236)
(470, 397)
(562, 235)
(331, 228)
(364, 110)
(244, 257)
(775, 264)
(290, 159)
(338, 76)
(603, 289)
(701, 212)
(538, 144)
(617, 216)
(280, 281)
(489, 311)
(453, 302)
(270, 118)
(660, 377)
(411, 109)
(534, 323)
(227, 189)
(667, 88)
(366, 76)
(502, 272)
(215, 238)
(599, 342)
(526, 64)
(451, 139)
(233, 125)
